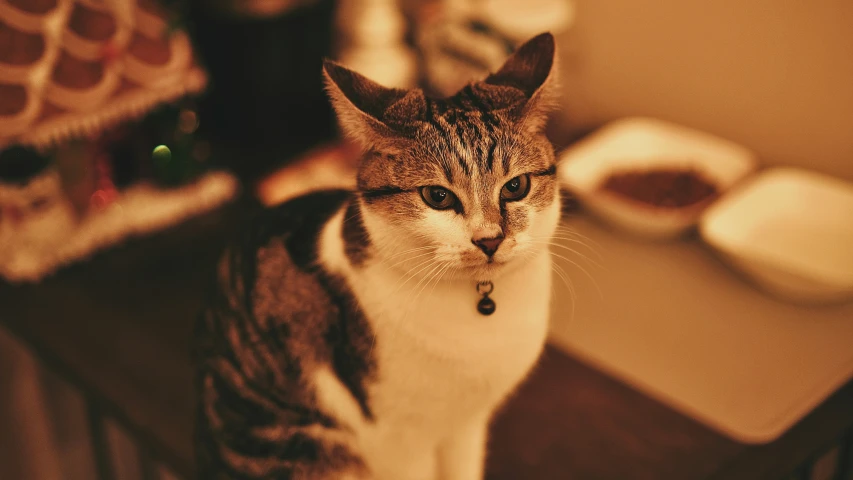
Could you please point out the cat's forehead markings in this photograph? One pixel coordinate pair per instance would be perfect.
(467, 138)
(458, 147)
(473, 144)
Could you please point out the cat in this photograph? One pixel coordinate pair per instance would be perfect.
(372, 334)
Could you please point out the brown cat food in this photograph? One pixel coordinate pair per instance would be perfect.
(664, 188)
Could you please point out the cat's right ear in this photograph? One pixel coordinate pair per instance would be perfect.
(531, 73)
(363, 106)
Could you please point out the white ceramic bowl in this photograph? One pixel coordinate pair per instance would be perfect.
(644, 144)
(790, 231)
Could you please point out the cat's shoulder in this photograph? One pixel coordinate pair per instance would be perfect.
(297, 221)
(279, 242)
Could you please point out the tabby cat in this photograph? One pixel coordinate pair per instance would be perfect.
(372, 334)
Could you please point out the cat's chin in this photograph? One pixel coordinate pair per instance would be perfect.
(488, 272)
(494, 270)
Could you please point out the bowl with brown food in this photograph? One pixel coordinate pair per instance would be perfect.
(651, 178)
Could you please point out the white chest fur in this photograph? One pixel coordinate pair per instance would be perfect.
(440, 361)
(443, 368)
(439, 355)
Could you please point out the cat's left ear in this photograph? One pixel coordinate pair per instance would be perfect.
(368, 113)
(532, 69)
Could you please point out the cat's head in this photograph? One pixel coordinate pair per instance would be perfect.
(462, 186)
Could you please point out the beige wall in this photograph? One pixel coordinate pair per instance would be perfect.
(775, 75)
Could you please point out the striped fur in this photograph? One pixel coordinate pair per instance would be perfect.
(341, 339)
(273, 317)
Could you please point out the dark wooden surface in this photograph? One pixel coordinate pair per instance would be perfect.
(120, 325)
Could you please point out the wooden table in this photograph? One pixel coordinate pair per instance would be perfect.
(119, 326)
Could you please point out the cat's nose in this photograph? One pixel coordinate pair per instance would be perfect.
(488, 245)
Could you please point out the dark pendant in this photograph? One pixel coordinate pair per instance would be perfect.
(486, 306)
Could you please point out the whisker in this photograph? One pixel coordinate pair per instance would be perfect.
(569, 285)
(598, 257)
(575, 240)
(530, 254)
(563, 228)
(565, 277)
(427, 277)
(566, 247)
(413, 272)
(595, 283)
(409, 250)
(430, 263)
(440, 275)
(575, 233)
(397, 264)
(407, 258)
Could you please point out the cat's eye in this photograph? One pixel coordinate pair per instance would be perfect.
(516, 189)
(438, 198)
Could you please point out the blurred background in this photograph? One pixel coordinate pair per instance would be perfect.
(771, 75)
(137, 135)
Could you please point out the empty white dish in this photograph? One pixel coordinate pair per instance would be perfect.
(790, 231)
(644, 144)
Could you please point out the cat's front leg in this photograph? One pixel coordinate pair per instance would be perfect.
(463, 455)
